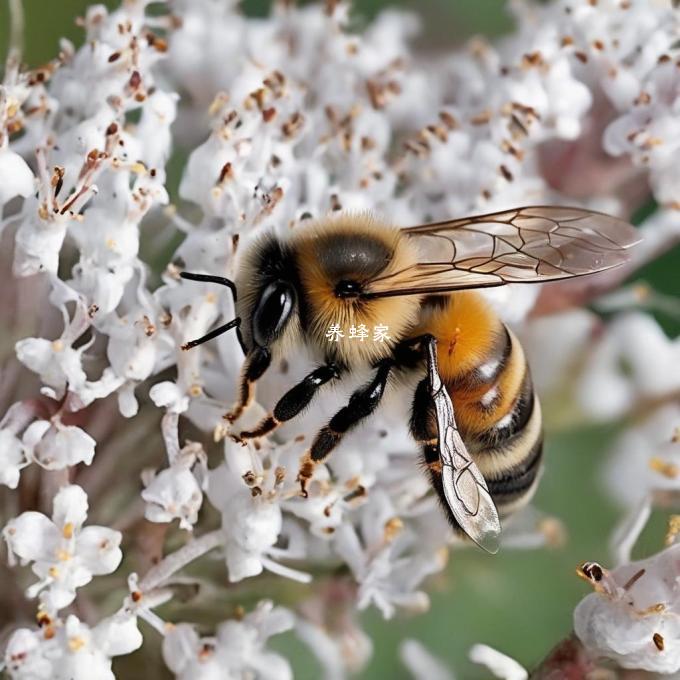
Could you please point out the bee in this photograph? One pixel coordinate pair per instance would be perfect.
(474, 413)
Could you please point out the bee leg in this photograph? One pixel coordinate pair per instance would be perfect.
(257, 362)
(361, 404)
(295, 400)
(423, 426)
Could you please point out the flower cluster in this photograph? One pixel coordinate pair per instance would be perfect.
(69, 649)
(64, 554)
(282, 120)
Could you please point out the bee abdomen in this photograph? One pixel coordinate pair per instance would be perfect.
(502, 428)
(514, 487)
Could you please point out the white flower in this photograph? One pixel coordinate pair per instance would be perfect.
(386, 559)
(71, 650)
(25, 657)
(12, 458)
(57, 364)
(633, 361)
(169, 395)
(138, 346)
(252, 520)
(38, 244)
(645, 458)
(421, 664)
(632, 617)
(238, 649)
(131, 348)
(16, 178)
(87, 652)
(55, 446)
(251, 524)
(173, 493)
(339, 645)
(176, 492)
(65, 555)
(153, 131)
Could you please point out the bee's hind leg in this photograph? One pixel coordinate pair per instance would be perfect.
(361, 404)
(423, 427)
(295, 400)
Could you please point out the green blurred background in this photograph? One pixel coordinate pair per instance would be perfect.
(519, 602)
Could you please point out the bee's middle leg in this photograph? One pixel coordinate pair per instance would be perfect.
(295, 400)
(361, 404)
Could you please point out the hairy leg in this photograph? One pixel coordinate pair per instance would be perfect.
(257, 362)
(361, 404)
(295, 400)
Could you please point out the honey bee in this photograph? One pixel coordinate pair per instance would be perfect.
(474, 412)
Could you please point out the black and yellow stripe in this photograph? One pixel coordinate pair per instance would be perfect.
(498, 415)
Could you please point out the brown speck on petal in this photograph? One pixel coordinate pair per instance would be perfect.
(658, 640)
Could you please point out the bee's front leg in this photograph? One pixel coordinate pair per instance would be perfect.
(256, 363)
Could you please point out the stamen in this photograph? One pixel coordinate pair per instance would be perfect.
(634, 579)
(658, 640)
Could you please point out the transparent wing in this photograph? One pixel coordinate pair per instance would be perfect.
(464, 486)
(533, 244)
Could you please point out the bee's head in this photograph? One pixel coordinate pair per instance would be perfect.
(267, 294)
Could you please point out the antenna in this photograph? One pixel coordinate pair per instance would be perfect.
(234, 323)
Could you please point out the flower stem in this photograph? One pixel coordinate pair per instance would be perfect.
(171, 564)
(16, 36)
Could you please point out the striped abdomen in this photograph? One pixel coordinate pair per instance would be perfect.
(499, 418)
(485, 371)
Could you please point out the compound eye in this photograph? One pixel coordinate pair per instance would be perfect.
(347, 289)
(272, 312)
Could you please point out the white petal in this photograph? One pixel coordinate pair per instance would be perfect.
(59, 595)
(270, 666)
(16, 178)
(180, 647)
(37, 246)
(240, 563)
(169, 395)
(501, 665)
(34, 433)
(11, 459)
(24, 656)
(35, 353)
(63, 446)
(421, 663)
(127, 402)
(117, 635)
(70, 506)
(32, 536)
(98, 549)
(175, 491)
(56, 363)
